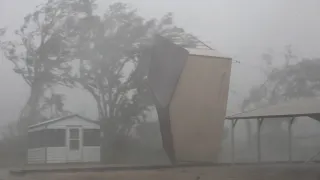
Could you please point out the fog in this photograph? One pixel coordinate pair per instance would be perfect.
(242, 30)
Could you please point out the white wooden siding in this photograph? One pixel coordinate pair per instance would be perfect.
(91, 154)
(36, 156)
(60, 154)
(57, 154)
(73, 121)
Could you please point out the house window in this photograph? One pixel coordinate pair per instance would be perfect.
(74, 133)
(36, 139)
(55, 137)
(91, 137)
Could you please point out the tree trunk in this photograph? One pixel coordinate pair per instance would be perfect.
(104, 144)
(31, 108)
(107, 142)
(29, 114)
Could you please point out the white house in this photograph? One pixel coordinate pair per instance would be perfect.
(64, 140)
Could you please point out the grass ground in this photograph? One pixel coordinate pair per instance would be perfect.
(267, 172)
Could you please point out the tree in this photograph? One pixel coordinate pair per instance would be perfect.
(109, 49)
(43, 54)
(53, 106)
(287, 82)
(65, 42)
(295, 78)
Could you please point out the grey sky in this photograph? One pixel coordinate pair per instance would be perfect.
(241, 29)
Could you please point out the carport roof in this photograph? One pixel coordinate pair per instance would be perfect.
(297, 108)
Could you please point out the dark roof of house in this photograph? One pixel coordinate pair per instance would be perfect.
(61, 119)
(297, 108)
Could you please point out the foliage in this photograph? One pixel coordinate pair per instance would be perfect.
(295, 78)
(287, 82)
(53, 106)
(43, 54)
(65, 42)
(109, 49)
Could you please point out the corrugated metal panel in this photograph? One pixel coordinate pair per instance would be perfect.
(206, 52)
(301, 107)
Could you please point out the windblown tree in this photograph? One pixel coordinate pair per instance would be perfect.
(287, 82)
(63, 37)
(109, 49)
(295, 78)
(42, 56)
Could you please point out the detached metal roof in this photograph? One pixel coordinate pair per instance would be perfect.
(302, 107)
(206, 52)
(60, 119)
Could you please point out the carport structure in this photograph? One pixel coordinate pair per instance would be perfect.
(291, 110)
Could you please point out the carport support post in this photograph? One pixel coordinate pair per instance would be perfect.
(290, 138)
(260, 120)
(233, 124)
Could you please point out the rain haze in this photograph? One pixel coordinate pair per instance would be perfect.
(263, 38)
(241, 30)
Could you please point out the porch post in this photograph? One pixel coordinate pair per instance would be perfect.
(290, 138)
(260, 120)
(233, 124)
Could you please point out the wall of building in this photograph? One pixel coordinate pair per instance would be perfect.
(60, 154)
(57, 154)
(36, 156)
(91, 154)
(198, 108)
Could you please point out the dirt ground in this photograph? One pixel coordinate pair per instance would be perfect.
(270, 172)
